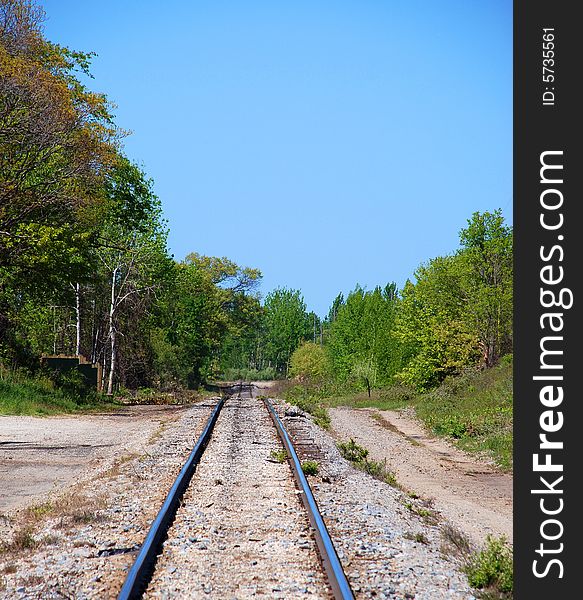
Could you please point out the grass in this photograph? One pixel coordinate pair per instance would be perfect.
(310, 467)
(306, 398)
(278, 456)
(25, 395)
(358, 456)
(416, 537)
(70, 510)
(488, 569)
(474, 409)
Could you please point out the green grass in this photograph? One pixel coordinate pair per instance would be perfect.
(308, 400)
(358, 456)
(474, 410)
(491, 569)
(23, 395)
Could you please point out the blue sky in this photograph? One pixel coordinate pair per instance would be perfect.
(325, 143)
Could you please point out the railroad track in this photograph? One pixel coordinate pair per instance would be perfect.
(235, 528)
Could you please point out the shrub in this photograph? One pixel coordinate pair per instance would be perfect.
(309, 361)
(358, 456)
(310, 467)
(492, 567)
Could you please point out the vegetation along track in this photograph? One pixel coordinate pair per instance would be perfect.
(231, 525)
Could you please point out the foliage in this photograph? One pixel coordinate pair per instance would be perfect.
(310, 467)
(22, 394)
(234, 374)
(287, 324)
(459, 311)
(309, 361)
(361, 340)
(474, 409)
(492, 567)
(307, 399)
(358, 456)
(57, 141)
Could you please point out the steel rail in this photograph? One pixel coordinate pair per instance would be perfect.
(141, 572)
(336, 576)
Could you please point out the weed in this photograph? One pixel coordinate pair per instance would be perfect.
(310, 467)
(38, 511)
(358, 456)
(352, 452)
(416, 537)
(457, 540)
(278, 456)
(23, 539)
(309, 402)
(427, 514)
(491, 569)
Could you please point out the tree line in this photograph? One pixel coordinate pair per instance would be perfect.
(84, 262)
(456, 314)
(85, 267)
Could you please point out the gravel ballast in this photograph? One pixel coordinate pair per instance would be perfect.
(241, 531)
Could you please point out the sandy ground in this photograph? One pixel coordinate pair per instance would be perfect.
(40, 455)
(474, 496)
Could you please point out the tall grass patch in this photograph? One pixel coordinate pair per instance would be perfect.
(23, 394)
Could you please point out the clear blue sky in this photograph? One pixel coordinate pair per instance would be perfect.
(327, 143)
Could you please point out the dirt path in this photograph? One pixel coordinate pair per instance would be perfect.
(472, 495)
(42, 454)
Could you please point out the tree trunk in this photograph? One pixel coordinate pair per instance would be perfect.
(78, 319)
(112, 335)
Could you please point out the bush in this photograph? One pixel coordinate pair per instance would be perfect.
(310, 467)
(306, 401)
(492, 567)
(309, 361)
(358, 456)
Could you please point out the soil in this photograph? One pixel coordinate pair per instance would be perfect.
(474, 496)
(39, 455)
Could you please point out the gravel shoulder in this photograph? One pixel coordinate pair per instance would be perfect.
(474, 496)
(79, 539)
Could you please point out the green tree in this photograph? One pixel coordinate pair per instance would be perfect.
(213, 307)
(57, 144)
(488, 286)
(133, 255)
(287, 324)
(309, 361)
(458, 313)
(362, 334)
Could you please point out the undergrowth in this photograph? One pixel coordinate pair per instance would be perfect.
(489, 569)
(358, 456)
(473, 409)
(24, 394)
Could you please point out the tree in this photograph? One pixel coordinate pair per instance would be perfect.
(488, 288)
(309, 361)
(287, 324)
(362, 334)
(459, 311)
(57, 143)
(212, 308)
(132, 251)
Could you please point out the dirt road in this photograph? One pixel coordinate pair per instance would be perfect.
(474, 496)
